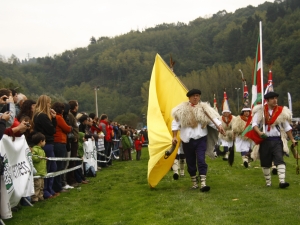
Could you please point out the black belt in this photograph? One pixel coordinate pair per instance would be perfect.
(273, 138)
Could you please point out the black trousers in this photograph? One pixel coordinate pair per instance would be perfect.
(271, 150)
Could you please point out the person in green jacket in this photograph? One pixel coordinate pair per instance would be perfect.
(79, 176)
(126, 144)
(39, 161)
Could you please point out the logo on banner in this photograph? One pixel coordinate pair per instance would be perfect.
(29, 158)
(7, 175)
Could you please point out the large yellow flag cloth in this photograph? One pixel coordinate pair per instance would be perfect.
(165, 92)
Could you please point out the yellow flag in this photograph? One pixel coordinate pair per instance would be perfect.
(165, 92)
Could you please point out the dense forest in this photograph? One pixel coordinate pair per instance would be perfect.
(209, 52)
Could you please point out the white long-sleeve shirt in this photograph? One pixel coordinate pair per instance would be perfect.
(273, 132)
(186, 133)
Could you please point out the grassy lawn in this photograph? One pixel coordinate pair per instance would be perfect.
(120, 195)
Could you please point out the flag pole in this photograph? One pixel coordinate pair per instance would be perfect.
(290, 102)
(261, 74)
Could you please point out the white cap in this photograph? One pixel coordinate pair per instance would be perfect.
(245, 109)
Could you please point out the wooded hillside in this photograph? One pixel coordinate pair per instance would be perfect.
(208, 53)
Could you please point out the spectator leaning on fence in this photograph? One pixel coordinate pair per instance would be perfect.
(39, 162)
(44, 119)
(79, 176)
(70, 138)
(60, 141)
(74, 142)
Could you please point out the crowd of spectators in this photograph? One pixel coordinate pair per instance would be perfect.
(296, 130)
(59, 130)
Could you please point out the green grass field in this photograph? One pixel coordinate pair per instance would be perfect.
(120, 195)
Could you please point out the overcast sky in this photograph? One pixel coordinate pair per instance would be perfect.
(42, 27)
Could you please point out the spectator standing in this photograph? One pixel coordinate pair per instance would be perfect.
(26, 109)
(74, 142)
(26, 112)
(94, 130)
(15, 100)
(126, 145)
(44, 119)
(105, 127)
(69, 139)
(80, 178)
(138, 147)
(115, 140)
(60, 143)
(7, 99)
(40, 164)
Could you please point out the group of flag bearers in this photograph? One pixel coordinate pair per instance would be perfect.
(261, 128)
(265, 145)
(234, 127)
(267, 137)
(201, 127)
(270, 149)
(268, 145)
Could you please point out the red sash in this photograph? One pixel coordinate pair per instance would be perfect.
(245, 118)
(270, 119)
(229, 119)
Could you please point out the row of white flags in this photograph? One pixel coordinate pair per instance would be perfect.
(17, 179)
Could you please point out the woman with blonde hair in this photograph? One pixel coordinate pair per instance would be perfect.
(44, 120)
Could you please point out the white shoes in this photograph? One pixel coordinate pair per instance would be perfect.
(67, 187)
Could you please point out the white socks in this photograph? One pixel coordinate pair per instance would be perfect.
(281, 173)
(181, 165)
(175, 166)
(266, 172)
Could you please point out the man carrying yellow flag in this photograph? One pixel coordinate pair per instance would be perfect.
(165, 92)
(192, 118)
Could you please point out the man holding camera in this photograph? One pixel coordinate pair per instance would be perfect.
(274, 146)
(7, 100)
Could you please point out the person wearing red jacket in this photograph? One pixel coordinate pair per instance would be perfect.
(107, 130)
(138, 147)
(60, 142)
(108, 137)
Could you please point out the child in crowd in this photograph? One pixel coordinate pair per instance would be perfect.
(126, 145)
(39, 161)
(138, 147)
(79, 176)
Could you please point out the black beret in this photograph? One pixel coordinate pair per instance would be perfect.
(193, 92)
(270, 95)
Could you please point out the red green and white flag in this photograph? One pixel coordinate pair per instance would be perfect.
(257, 90)
(257, 86)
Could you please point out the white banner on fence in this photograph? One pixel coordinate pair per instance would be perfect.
(90, 153)
(18, 177)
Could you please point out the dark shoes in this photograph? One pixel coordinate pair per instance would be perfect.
(51, 196)
(246, 164)
(274, 171)
(284, 185)
(175, 176)
(205, 189)
(15, 209)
